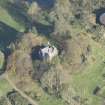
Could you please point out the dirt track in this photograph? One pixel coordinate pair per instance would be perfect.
(33, 102)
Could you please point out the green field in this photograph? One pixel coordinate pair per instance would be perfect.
(86, 81)
(4, 87)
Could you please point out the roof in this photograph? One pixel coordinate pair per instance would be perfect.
(102, 19)
(51, 51)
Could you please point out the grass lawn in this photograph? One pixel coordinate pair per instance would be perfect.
(4, 87)
(85, 82)
(50, 100)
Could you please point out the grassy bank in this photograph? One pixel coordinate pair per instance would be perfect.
(4, 87)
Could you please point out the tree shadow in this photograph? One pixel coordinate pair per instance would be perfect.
(44, 29)
(35, 52)
(46, 4)
(21, 17)
(7, 35)
(98, 13)
(17, 13)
